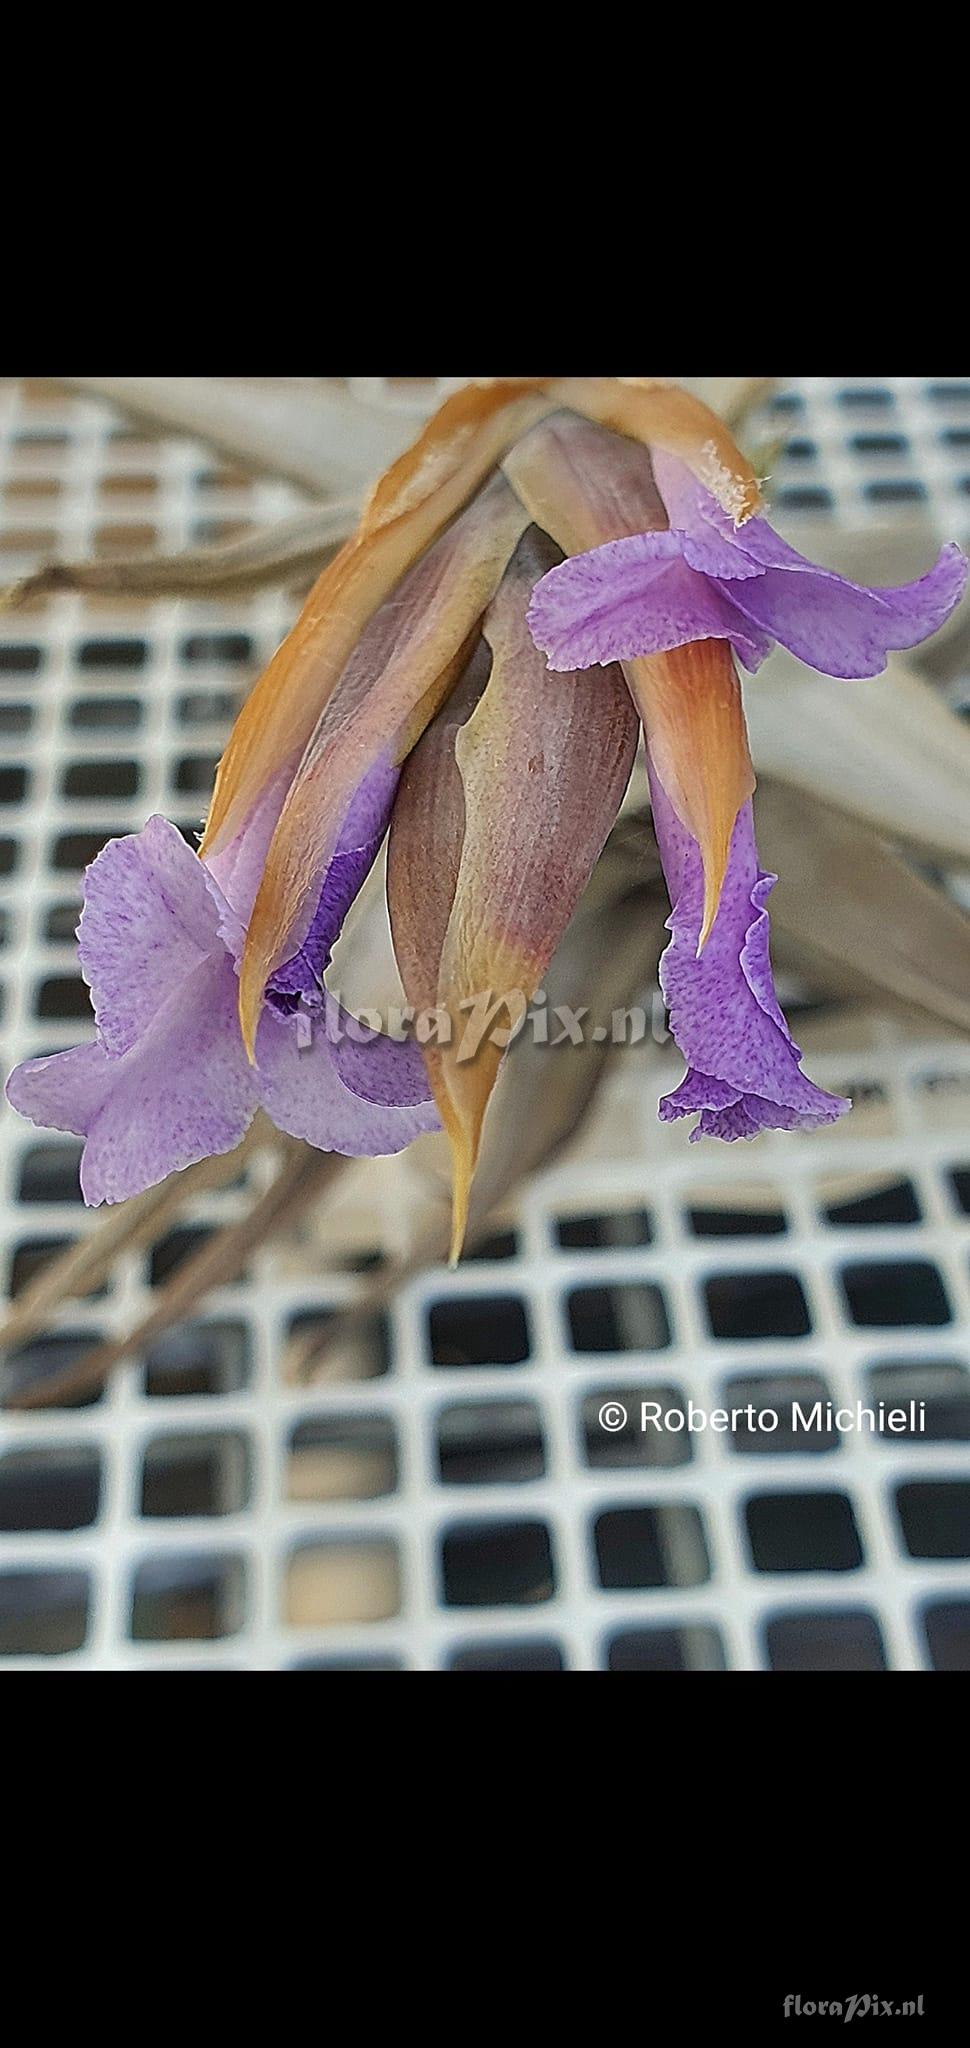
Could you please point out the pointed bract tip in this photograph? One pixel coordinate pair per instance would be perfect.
(459, 1220)
(249, 1011)
(462, 1094)
(464, 1143)
(715, 869)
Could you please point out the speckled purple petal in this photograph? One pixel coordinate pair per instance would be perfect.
(182, 1092)
(743, 1069)
(174, 1085)
(387, 1071)
(752, 1114)
(844, 629)
(65, 1091)
(633, 597)
(148, 921)
(300, 1085)
(709, 539)
(707, 578)
(840, 627)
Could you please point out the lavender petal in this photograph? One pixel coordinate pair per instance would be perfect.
(236, 872)
(843, 629)
(148, 922)
(743, 1068)
(634, 597)
(301, 1086)
(182, 1093)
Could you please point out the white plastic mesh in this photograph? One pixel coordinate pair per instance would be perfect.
(455, 1503)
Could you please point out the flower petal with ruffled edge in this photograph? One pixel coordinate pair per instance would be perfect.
(364, 1095)
(165, 1084)
(708, 578)
(168, 1082)
(176, 1097)
(630, 598)
(743, 1070)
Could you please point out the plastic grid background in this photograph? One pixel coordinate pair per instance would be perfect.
(486, 1520)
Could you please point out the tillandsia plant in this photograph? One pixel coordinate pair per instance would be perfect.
(554, 563)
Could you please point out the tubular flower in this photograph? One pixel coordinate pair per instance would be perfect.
(167, 1081)
(674, 587)
(413, 695)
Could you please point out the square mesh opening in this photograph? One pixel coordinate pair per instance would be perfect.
(848, 1640)
(536, 1654)
(349, 1457)
(689, 1648)
(43, 1613)
(803, 1532)
(651, 1546)
(49, 1487)
(188, 1597)
(490, 1443)
(331, 1583)
(497, 1564)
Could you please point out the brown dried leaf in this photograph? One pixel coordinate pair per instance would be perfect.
(301, 1176)
(266, 555)
(128, 1226)
(858, 915)
(886, 749)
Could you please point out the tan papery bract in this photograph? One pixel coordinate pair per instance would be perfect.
(404, 666)
(665, 416)
(409, 508)
(886, 748)
(530, 792)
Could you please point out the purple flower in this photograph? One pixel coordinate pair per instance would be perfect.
(410, 694)
(743, 1070)
(705, 578)
(635, 600)
(167, 1080)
